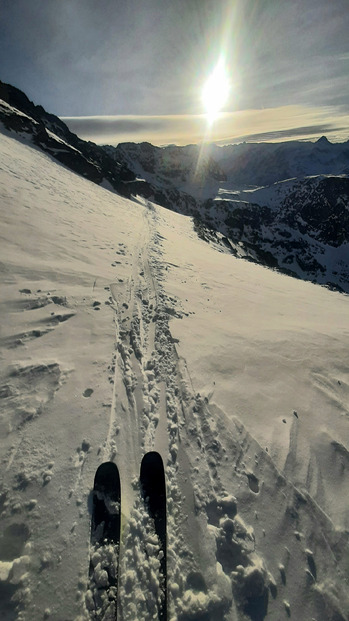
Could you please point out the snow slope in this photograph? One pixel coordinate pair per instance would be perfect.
(122, 332)
(283, 205)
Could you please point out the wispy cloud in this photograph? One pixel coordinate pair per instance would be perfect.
(297, 133)
(273, 124)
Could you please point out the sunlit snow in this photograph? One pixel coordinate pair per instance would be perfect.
(123, 332)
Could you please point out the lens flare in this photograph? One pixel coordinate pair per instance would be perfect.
(216, 91)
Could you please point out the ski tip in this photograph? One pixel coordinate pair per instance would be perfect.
(152, 475)
(153, 458)
(107, 474)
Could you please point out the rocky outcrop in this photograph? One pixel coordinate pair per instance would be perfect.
(49, 133)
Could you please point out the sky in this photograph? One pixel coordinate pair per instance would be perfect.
(120, 70)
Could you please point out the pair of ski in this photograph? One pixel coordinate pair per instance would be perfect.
(106, 524)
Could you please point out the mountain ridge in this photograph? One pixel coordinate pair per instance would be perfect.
(282, 205)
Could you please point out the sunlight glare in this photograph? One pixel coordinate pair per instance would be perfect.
(215, 91)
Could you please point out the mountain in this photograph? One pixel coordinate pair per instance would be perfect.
(282, 205)
(123, 332)
(241, 165)
(172, 164)
(46, 131)
(49, 133)
(268, 163)
(301, 229)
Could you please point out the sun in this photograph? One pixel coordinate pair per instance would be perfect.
(215, 91)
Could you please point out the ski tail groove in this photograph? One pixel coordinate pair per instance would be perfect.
(153, 486)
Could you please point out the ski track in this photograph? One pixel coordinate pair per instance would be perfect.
(153, 392)
(149, 395)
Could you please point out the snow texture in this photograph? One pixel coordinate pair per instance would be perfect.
(123, 333)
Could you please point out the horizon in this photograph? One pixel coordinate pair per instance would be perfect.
(99, 131)
(111, 131)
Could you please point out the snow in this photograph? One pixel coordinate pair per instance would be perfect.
(6, 109)
(123, 332)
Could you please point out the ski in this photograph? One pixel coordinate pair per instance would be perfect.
(105, 542)
(153, 486)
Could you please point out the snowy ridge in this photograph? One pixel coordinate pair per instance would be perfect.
(123, 332)
(254, 164)
(46, 131)
(239, 166)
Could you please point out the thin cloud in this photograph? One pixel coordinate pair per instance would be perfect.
(98, 126)
(300, 133)
(277, 124)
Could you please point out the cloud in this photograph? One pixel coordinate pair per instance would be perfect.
(98, 127)
(299, 133)
(271, 124)
(137, 128)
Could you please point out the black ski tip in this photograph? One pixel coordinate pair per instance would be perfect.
(107, 478)
(153, 484)
(153, 459)
(105, 523)
(153, 474)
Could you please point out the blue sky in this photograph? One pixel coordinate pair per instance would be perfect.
(134, 69)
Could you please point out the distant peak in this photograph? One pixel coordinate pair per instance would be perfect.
(323, 140)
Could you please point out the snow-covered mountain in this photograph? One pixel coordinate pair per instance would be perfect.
(266, 163)
(49, 133)
(303, 231)
(124, 332)
(281, 205)
(241, 165)
(173, 164)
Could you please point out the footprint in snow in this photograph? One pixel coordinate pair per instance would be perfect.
(253, 482)
(87, 393)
